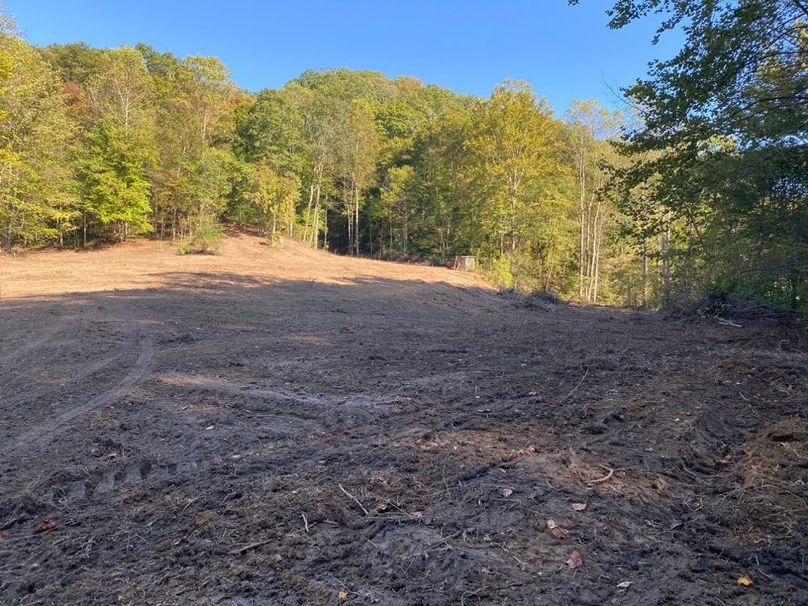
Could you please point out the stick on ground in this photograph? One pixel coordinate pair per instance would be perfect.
(348, 494)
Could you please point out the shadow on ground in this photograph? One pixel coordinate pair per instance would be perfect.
(235, 440)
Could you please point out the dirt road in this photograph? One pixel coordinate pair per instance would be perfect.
(279, 426)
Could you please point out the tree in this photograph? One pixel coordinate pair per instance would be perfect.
(590, 128)
(35, 190)
(356, 162)
(114, 188)
(723, 146)
(118, 146)
(518, 141)
(192, 105)
(271, 196)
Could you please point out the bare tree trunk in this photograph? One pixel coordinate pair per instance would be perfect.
(350, 231)
(582, 218)
(405, 227)
(598, 246)
(666, 262)
(308, 213)
(644, 273)
(356, 218)
(316, 233)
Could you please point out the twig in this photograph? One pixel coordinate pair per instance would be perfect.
(604, 478)
(349, 495)
(248, 547)
(574, 389)
(190, 501)
(305, 522)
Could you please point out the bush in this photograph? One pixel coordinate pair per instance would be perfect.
(206, 241)
(497, 271)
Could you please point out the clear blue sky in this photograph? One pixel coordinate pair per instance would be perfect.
(566, 52)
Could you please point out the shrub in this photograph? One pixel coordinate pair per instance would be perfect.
(207, 240)
(497, 271)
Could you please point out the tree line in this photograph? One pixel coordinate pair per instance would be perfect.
(98, 145)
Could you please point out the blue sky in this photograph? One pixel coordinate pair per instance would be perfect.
(565, 52)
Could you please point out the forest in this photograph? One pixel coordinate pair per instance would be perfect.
(697, 187)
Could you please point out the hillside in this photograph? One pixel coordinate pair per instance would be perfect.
(287, 426)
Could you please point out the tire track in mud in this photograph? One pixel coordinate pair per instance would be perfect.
(315, 413)
(138, 371)
(102, 484)
(14, 381)
(242, 389)
(30, 346)
(85, 372)
(256, 391)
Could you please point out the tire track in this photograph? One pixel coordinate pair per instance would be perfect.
(103, 484)
(30, 346)
(321, 413)
(85, 372)
(15, 377)
(176, 379)
(138, 371)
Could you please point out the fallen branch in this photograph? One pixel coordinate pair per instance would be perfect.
(604, 478)
(248, 547)
(574, 389)
(349, 495)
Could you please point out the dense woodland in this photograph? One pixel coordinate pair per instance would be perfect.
(699, 186)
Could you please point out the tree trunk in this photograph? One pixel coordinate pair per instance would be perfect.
(317, 218)
(308, 213)
(644, 273)
(666, 262)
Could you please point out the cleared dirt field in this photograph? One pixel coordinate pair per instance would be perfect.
(278, 426)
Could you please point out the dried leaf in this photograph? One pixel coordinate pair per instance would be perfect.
(556, 530)
(625, 584)
(343, 593)
(382, 506)
(749, 451)
(575, 560)
(661, 484)
(538, 561)
(533, 392)
(578, 506)
(756, 464)
(506, 492)
(3, 536)
(724, 461)
(744, 581)
(44, 526)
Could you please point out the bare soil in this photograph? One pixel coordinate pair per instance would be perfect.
(280, 426)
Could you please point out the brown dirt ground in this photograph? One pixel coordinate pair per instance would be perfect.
(279, 426)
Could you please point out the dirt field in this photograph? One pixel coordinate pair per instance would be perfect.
(278, 426)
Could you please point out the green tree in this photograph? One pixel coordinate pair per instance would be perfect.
(590, 129)
(118, 147)
(35, 194)
(356, 163)
(722, 146)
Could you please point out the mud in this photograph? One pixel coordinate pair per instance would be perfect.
(277, 426)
